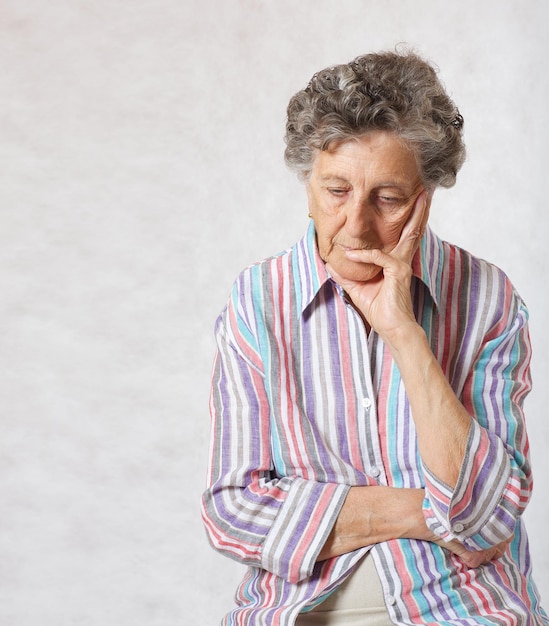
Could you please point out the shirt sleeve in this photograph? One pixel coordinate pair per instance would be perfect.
(278, 523)
(495, 481)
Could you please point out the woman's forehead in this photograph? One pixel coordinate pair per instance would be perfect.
(381, 155)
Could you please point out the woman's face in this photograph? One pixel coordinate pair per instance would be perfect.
(361, 194)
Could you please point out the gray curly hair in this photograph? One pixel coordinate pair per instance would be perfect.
(389, 91)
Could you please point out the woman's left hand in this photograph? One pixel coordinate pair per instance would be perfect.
(385, 301)
(471, 559)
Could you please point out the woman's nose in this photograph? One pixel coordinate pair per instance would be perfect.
(358, 219)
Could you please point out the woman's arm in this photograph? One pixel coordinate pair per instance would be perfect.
(385, 303)
(278, 523)
(375, 514)
(442, 422)
(473, 448)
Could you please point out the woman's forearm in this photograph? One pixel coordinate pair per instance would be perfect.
(374, 514)
(442, 423)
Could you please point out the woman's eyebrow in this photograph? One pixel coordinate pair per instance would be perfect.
(395, 184)
(401, 186)
(329, 178)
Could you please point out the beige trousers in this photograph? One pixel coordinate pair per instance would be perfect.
(357, 602)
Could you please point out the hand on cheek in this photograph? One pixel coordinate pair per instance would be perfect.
(385, 299)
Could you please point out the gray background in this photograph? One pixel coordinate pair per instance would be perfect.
(141, 169)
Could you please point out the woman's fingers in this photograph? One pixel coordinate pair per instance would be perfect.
(389, 262)
(413, 230)
(385, 300)
(409, 239)
(473, 559)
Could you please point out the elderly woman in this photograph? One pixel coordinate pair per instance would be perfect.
(369, 459)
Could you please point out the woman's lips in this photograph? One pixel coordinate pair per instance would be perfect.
(352, 248)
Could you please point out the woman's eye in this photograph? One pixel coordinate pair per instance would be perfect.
(336, 191)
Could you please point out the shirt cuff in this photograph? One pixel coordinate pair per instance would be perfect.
(475, 512)
(301, 528)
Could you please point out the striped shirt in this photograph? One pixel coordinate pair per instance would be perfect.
(305, 403)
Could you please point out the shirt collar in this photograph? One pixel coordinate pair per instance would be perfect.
(428, 263)
(426, 266)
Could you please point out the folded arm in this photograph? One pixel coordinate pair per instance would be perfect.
(252, 515)
(374, 514)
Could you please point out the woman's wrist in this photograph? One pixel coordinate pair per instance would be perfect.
(407, 340)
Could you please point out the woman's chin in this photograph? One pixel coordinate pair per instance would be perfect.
(357, 272)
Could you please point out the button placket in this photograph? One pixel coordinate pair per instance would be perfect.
(372, 452)
(373, 471)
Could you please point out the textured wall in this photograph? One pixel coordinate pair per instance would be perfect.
(141, 169)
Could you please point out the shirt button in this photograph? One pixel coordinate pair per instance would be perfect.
(374, 471)
(390, 600)
(458, 527)
(366, 403)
